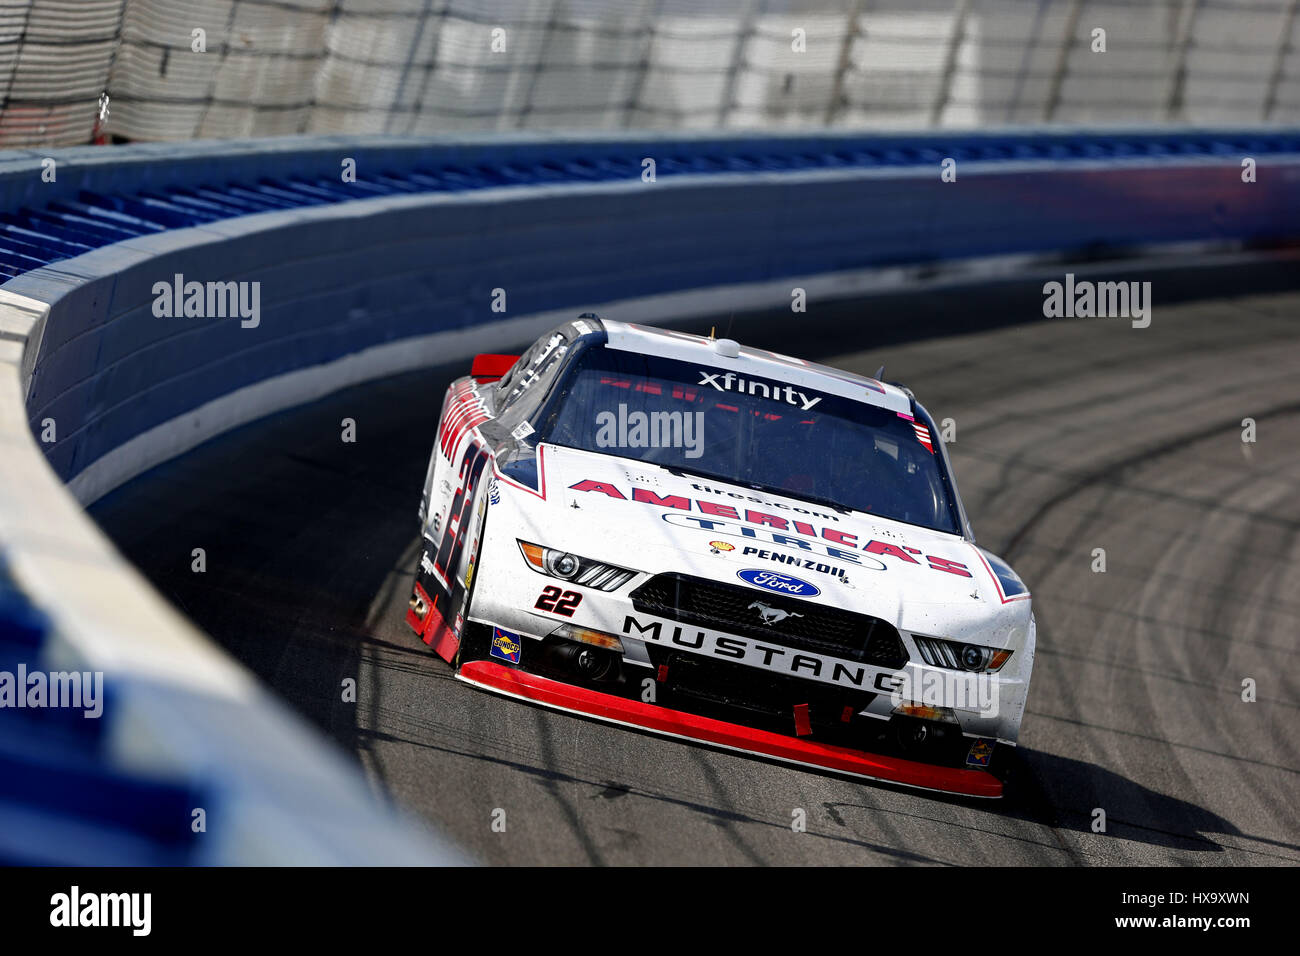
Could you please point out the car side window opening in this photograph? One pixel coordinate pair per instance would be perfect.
(533, 366)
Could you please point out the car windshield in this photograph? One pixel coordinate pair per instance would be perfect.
(757, 432)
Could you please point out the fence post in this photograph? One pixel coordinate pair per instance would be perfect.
(309, 115)
(417, 108)
(1178, 75)
(737, 53)
(843, 63)
(216, 78)
(18, 57)
(1279, 64)
(1062, 60)
(651, 22)
(526, 110)
(1013, 103)
(406, 68)
(955, 40)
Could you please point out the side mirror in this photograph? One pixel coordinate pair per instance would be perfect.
(490, 368)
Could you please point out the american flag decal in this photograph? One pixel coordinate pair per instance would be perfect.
(923, 436)
(465, 411)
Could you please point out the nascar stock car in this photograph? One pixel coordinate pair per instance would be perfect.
(714, 542)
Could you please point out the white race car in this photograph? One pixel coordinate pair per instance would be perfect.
(719, 543)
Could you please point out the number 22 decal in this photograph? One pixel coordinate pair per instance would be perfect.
(558, 602)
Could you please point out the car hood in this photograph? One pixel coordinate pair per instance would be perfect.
(643, 517)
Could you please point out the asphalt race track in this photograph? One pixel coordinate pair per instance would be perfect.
(1072, 435)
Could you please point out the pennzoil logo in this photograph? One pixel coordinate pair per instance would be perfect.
(719, 546)
(505, 645)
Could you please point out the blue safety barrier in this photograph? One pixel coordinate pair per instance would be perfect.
(556, 225)
(61, 799)
(44, 222)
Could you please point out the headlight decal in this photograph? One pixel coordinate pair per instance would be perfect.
(956, 655)
(574, 568)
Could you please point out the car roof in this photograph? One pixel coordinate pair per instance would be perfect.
(752, 362)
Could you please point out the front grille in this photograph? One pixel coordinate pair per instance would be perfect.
(809, 627)
(758, 692)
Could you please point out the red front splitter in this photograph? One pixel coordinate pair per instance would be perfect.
(676, 723)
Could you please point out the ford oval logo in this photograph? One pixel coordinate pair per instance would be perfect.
(778, 582)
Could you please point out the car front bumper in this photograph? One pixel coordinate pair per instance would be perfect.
(537, 689)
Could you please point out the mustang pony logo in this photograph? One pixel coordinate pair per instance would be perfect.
(771, 615)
